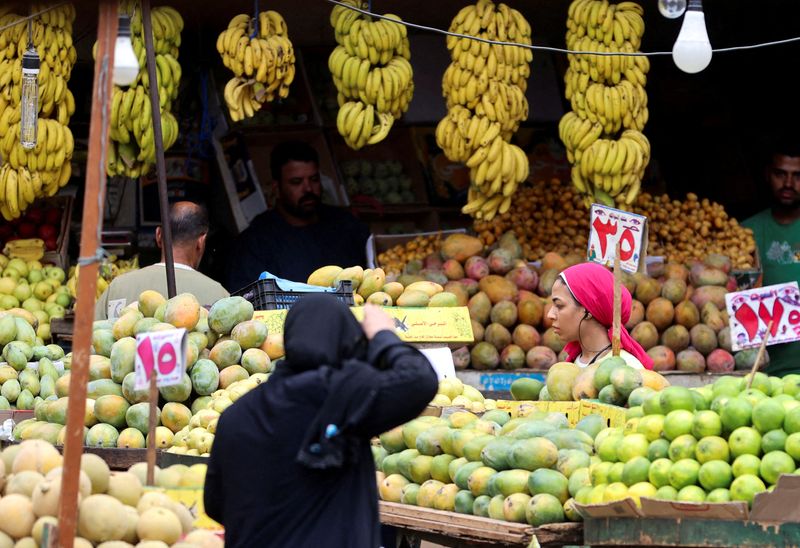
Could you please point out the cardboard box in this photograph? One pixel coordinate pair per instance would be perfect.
(378, 243)
(779, 506)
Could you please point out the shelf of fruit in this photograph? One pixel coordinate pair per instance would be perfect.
(519, 463)
(678, 312)
(218, 373)
(113, 506)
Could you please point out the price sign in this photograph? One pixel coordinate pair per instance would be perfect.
(162, 353)
(752, 310)
(607, 226)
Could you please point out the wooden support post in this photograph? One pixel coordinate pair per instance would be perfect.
(91, 228)
(616, 326)
(760, 355)
(166, 229)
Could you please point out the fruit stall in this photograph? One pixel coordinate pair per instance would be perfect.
(474, 210)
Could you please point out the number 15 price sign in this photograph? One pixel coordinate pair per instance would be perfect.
(162, 353)
(609, 226)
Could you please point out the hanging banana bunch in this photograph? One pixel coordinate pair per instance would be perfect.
(262, 62)
(26, 175)
(132, 152)
(372, 73)
(485, 91)
(603, 132)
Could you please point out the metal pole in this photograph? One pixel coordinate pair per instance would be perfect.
(166, 229)
(91, 227)
(158, 139)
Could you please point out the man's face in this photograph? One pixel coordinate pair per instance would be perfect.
(300, 190)
(784, 178)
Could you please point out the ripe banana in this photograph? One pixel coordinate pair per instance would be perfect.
(602, 134)
(484, 88)
(263, 62)
(27, 175)
(370, 67)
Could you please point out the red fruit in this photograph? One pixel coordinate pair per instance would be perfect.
(35, 215)
(26, 230)
(53, 216)
(47, 232)
(50, 244)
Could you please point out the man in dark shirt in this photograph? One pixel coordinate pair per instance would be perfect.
(300, 234)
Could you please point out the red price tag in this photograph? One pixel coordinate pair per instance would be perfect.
(752, 310)
(157, 351)
(609, 226)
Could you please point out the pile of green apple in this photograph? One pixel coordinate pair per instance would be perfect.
(36, 288)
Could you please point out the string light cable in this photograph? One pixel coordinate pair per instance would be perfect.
(550, 48)
(26, 18)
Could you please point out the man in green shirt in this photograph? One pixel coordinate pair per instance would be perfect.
(189, 223)
(777, 235)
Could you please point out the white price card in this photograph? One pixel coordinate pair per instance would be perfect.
(441, 359)
(609, 226)
(162, 353)
(752, 310)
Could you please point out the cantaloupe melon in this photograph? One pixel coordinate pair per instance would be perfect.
(84, 483)
(125, 487)
(204, 539)
(23, 483)
(184, 515)
(115, 544)
(159, 524)
(6, 541)
(36, 455)
(101, 518)
(153, 499)
(132, 519)
(16, 516)
(7, 456)
(45, 497)
(97, 470)
(26, 542)
(38, 528)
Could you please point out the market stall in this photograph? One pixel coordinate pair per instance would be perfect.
(475, 210)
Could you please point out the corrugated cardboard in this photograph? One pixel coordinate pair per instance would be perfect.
(780, 505)
(625, 508)
(653, 508)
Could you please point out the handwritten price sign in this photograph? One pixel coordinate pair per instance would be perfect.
(607, 227)
(164, 352)
(751, 311)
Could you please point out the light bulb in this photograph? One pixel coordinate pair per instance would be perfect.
(692, 50)
(126, 65)
(29, 104)
(671, 9)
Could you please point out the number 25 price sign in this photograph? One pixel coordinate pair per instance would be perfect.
(162, 353)
(751, 311)
(609, 226)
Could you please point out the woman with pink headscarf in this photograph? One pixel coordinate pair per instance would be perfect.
(582, 315)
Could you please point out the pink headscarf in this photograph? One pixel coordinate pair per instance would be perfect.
(593, 286)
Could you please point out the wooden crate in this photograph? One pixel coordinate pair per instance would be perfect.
(60, 257)
(452, 529)
(685, 533)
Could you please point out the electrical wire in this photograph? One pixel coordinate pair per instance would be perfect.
(550, 48)
(24, 19)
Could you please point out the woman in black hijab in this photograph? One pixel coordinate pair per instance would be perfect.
(291, 464)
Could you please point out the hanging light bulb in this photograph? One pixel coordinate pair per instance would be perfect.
(671, 9)
(692, 50)
(29, 105)
(126, 65)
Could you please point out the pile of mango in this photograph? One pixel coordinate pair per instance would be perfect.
(228, 354)
(523, 468)
(718, 443)
(610, 381)
(678, 313)
(34, 288)
(30, 370)
(114, 508)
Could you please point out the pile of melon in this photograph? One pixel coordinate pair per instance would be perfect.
(114, 511)
(228, 353)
